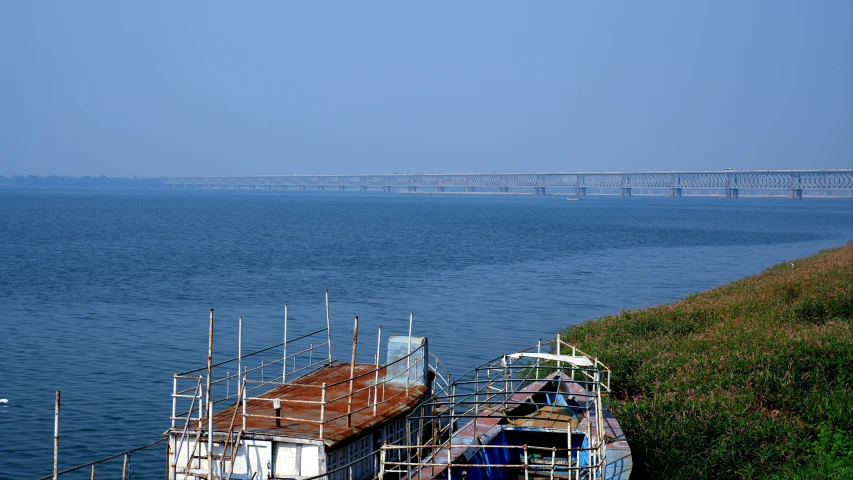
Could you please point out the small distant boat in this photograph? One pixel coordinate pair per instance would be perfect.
(572, 199)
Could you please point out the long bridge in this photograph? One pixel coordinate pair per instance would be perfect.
(728, 181)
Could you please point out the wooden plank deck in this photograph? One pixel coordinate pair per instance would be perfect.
(307, 388)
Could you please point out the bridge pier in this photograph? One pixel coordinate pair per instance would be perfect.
(625, 192)
(504, 189)
(580, 191)
(386, 189)
(301, 188)
(439, 189)
(412, 188)
(731, 193)
(283, 187)
(470, 189)
(675, 192)
(341, 188)
(795, 193)
(362, 188)
(321, 188)
(540, 190)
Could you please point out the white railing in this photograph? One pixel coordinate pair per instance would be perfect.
(315, 408)
(307, 357)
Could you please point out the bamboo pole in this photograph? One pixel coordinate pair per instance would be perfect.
(409, 353)
(376, 375)
(322, 409)
(538, 350)
(56, 439)
(328, 327)
(239, 346)
(244, 402)
(352, 372)
(209, 400)
(284, 358)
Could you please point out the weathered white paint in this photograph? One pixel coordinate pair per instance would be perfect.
(310, 461)
(579, 361)
(286, 459)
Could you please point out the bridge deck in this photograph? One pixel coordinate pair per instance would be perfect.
(719, 179)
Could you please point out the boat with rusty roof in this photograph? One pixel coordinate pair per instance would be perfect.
(314, 417)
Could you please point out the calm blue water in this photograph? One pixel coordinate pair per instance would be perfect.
(104, 294)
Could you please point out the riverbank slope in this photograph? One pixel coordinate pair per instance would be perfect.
(753, 379)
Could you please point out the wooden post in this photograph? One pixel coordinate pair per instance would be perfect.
(56, 439)
(322, 409)
(244, 402)
(559, 363)
(284, 358)
(124, 468)
(376, 374)
(538, 350)
(352, 372)
(276, 404)
(409, 353)
(209, 400)
(93, 472)
(239, 346)
(328, 327)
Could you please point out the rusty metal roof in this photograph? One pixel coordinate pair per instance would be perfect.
(336, 376)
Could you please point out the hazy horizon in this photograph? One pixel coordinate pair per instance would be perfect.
(219, 89)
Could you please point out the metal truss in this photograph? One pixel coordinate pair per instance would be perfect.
(758, 179)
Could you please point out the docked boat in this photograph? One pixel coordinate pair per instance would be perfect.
(573, 199)
(313, 418)
(523, 415)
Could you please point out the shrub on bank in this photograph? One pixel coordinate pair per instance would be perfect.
(750, 380)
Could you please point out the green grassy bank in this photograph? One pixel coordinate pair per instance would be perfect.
(750, 380)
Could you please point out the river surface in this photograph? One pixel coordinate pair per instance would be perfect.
(104, 294)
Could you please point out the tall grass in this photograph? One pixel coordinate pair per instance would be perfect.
(750, 380)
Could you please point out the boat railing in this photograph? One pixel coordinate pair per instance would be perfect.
(316, 407)
(188, 390)
(441, 380)
(507, 390)
(262, 368)
(111, 463)
(536, 462)
(604, 371)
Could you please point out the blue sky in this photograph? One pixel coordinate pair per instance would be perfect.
(213, 88)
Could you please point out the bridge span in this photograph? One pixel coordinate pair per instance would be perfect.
(729, 182)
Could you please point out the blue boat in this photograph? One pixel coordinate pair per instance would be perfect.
(523, 415)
